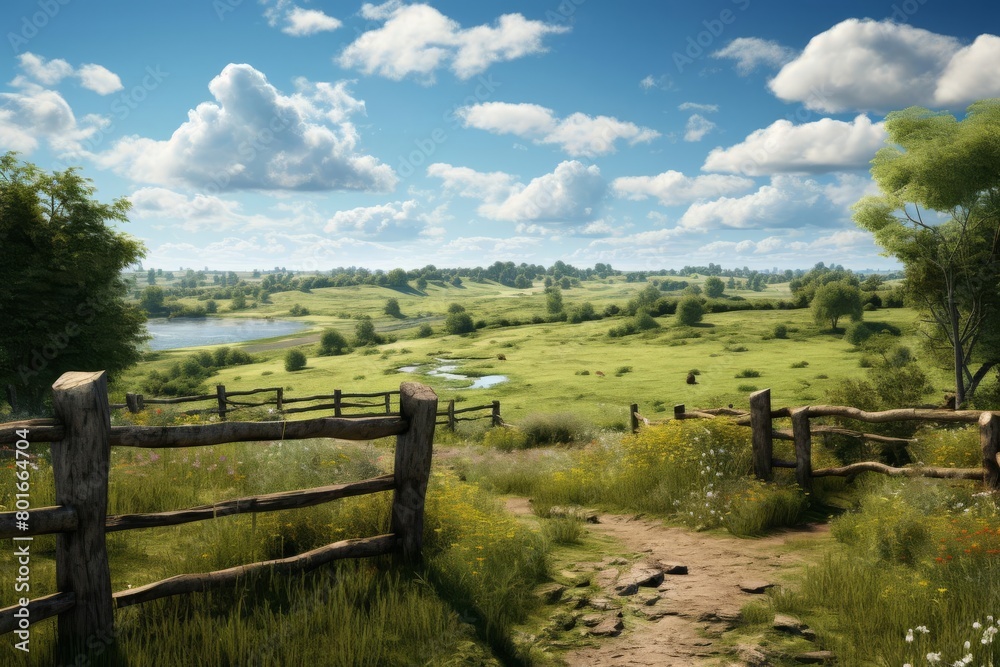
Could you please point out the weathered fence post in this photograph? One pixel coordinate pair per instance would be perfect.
(679, 411)
(418, 406)
(132, 403)
(803, 448)
(336, 402)
(220, 393)
(496, 419)
(760, 423)
(451, 415)
(633, 421)
(279, 399)
(388, 404)
(80, 463)
(989, 439)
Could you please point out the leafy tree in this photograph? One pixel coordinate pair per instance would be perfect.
(714, 287)
(151, 300)
(151, 277)
(456, 308)
(63, 301)
(689, 310)
(421, 283)
(459, 323)
(835, 300)
(332, 342)
(392, 308)
(935, 162)
(364, 333)
(295, 360)
(396, 278)
(239, 301)
(553, 299)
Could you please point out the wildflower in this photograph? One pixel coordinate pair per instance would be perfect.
(934, 658)
(909, 636)
(977, 625)
(923, 628)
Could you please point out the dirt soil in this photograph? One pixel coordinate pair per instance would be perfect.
(697, 607)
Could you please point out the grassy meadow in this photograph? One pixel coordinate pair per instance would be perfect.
(906, 555)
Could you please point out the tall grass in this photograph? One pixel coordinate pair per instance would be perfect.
(458, 609)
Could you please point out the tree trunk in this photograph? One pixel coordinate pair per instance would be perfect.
(956, 344)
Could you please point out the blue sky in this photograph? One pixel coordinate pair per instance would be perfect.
(642, 134)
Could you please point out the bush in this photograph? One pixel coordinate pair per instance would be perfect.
(506, 439)
(364, 333)
(459, 323)
(425, 331)
(295, 360)
(780, 331)
(748, 373)
(298, 311)
(553, 429)
(392, 308)
(800, 364)
(332, 342)
(689, 311)
(859, 332)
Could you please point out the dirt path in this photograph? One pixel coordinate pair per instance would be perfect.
(693, 609)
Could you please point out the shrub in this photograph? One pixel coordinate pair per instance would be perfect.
(800, 364)
(459, 322)
(689, 311)
(332, 342)
(780, 331)
(859, 332)
(622, 370)
(506, 439)
(295, 360)
(425, 331)
(553, 429)
(298, 311)
(747, 388)
(748, 373)
(364, 333)
(392, 308)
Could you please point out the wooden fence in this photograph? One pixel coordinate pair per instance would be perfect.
(339, 401)
(760, 420)
(82, 437)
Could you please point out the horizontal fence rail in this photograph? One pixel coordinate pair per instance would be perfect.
(81, 438)
(760, 420)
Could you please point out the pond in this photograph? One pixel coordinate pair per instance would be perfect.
(190, 331)
(445, 369)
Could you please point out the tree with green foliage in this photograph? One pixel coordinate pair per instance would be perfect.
(714, 287)
(459, 322)
(396, 278)
(151, 300)
(937, 163)
(835, 300)
(332, 342)
(364, 332)
(63, 300)
(295, 360)
(689, 311)
(553, 300)
(392, 308)
(151, 277)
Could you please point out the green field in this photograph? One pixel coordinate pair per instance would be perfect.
(554, 366)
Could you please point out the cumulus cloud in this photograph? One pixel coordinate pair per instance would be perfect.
(782, 147)
(753, 52)
(252, 137)
(93, 77)
(571, 193)
(661, 82)
(673, 187)
(788, 201)
(297, 21)
(697, 127)
(33, 113)
(417, 40)
(869, 65)
(388, 222)
(578, 134)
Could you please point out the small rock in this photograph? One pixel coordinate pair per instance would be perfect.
(639, 575)
(751, 656)
(649, 600)
(606, 578)
(591, 517)
(673, 568)
(654, 613)
(793, 626)
(563, 621)
(814, 657)
(755, 587)
(590, 620)
(603, 604)
(550, 593)
(618, 561)
(609, 627)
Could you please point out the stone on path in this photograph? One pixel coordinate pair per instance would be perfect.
(640, 575)
(814, 657)
(755, 586)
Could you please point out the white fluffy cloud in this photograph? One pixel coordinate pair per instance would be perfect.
(32, 114)
(388, 222)
(297, 21)
(868, 65)
(672, 187)
(578, 134)
(821, 146)
(788, 201)
(571, 193)
(753, 52)
(254, 137)
(93, 77)
(697, 127)
(694, 106)
(417, 39)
